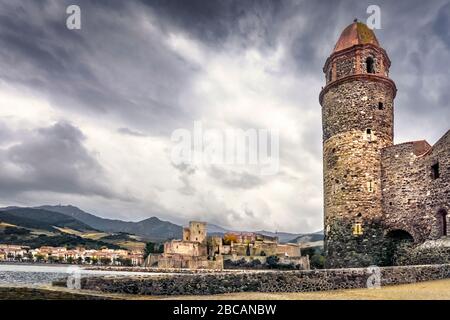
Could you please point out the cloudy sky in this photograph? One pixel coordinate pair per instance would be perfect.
(86, 116)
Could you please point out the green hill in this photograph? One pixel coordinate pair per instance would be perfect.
(42, 219)
(37, 227)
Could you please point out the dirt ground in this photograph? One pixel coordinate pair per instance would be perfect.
(431, 290)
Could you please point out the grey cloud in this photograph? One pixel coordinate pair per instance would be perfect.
(128, 131)
(214, 21)
(233, 179)
(187, 188)
(111, 66)
(52, 159)
(5, 133)
(185, 168)
(441, 25)
(185, 172)
(117, 69)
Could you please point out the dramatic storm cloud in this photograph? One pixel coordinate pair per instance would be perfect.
(87, 116)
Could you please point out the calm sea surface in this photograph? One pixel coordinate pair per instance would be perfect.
(17, 274)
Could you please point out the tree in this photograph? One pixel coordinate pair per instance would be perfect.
(79, 260)
(39, 257)
(105, 261)
(13, 230)
(247, 251)
(272, 262)
(317, 261)
(256, 263)
(152, 247)
(70, 260)
(228, 238)
(126, 262)
(94, 260)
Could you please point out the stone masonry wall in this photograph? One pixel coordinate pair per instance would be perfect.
(353, 105)
(412, 198)
(284, 281)
(345, 66)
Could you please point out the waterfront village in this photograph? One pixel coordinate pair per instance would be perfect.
(196, 250)
(47, 254)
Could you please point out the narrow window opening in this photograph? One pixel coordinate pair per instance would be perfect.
(435, 170)
(357, 229)
(369, 134)
(370, 186)
(444, 223)
(380, 106)
(370, 64)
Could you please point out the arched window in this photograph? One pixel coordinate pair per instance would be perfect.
(370, 65)
(442, 216)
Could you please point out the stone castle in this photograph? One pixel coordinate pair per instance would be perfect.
(376, 194)
(197, 250)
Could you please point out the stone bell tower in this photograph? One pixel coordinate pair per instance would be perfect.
(357, 117)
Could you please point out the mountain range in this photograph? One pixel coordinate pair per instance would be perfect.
(152, 229)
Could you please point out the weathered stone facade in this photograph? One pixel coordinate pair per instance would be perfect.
(198, 251)
(413, 199)
(194, 251)
(371, 187)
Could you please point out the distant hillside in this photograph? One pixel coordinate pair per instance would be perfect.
(37, 227)
(152, 229)
(213, 229)
(310, 237)
(41, 219)
(283, 237)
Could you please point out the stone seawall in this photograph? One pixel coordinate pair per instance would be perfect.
(267, 281)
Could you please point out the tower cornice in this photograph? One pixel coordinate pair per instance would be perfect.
(356, 47)
(363, 77)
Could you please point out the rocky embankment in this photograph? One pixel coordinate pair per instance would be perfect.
(280, 281)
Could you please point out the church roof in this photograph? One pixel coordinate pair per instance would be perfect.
(354, 34)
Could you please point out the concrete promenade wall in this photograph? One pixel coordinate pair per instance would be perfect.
(265, 281)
